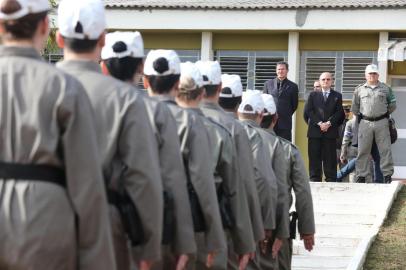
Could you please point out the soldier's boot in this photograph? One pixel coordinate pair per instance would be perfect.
(388, 179)
(360, 179)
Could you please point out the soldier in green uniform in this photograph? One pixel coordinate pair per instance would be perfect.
(239, 236)
(298, 182)
(53, 208)
(372, 103)
(124, 134)
(162, 72)
(123, 59)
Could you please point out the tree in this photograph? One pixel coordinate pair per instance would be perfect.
(51, 46)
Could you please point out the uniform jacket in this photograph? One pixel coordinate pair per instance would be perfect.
(316, 110)
(172, 173)
(264, 175)
(286, 100)
(124, 133)
(194, 143)
(298, 181)
(45, 118)
(242, 236)
(350, 136)
(279, 163)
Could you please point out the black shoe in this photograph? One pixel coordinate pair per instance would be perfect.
(388, 179)
(360, 179)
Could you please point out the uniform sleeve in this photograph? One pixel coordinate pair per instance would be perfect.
(138, 151)
(265, 182)
(85, 185)
(355, 107)
(202, 177)
(241, 233)
(304, 201)
(174, 182)
(280, 165)
(391, 101)
(246, 169)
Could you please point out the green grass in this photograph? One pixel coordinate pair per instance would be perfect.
(388, 252)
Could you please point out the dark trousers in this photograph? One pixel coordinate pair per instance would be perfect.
(322, 152)
(284, 133)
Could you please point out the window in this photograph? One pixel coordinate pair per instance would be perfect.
(254, 67)
(347, 69)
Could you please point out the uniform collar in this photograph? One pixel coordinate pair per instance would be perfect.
(251, 123)
(198, 111)
(367, 85)
(165, 98)
(210, 105)
(79, 65)
(28, 52)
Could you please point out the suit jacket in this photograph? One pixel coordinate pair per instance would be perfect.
(286, 101)
(316, 110)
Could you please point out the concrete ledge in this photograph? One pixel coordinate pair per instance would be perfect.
(357, 261)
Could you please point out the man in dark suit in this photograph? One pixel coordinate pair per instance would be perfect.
(324, 114)
(286, 96)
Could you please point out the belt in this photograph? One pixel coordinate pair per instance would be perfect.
(373, 119)
(33, 172)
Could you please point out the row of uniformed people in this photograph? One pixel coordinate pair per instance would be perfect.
(189, 185)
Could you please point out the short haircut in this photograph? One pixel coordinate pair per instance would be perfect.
(267, 121)
(23, 28)
(283, 63)
(162, 84)
(80, 45)
(190, 95)
(123, 68)
(211, 90)
(230, 103)
(251, 116)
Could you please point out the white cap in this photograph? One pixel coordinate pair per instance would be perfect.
(234, 83)
(123, 44)
(251, 102)
(210, 69)
(26, 7)
(371, 69)
(269, 103)
(190, 77)
(172, 60)
(81, 19)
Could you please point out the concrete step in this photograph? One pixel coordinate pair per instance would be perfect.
(325, 251)
(348, 208)
(329, 241)
(319, 262)
(331, 218)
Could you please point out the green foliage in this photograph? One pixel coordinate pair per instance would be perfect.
(51, 46)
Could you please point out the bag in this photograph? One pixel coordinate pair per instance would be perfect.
(392, 130)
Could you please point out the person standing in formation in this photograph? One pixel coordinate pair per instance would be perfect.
(53, 207)
(123, 132)
(122, 57)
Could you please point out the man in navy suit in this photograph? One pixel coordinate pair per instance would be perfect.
(324, 114)
(286, 96)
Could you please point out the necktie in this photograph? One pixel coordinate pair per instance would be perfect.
(325, 95)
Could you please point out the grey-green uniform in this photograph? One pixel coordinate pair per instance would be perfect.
(298, 180)
(125, 134)
(265, 180)
(227, 185)
(280, 164)
(173, 180)
(45, 119)
(374, 104)
(194, 143)
(243, 240)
